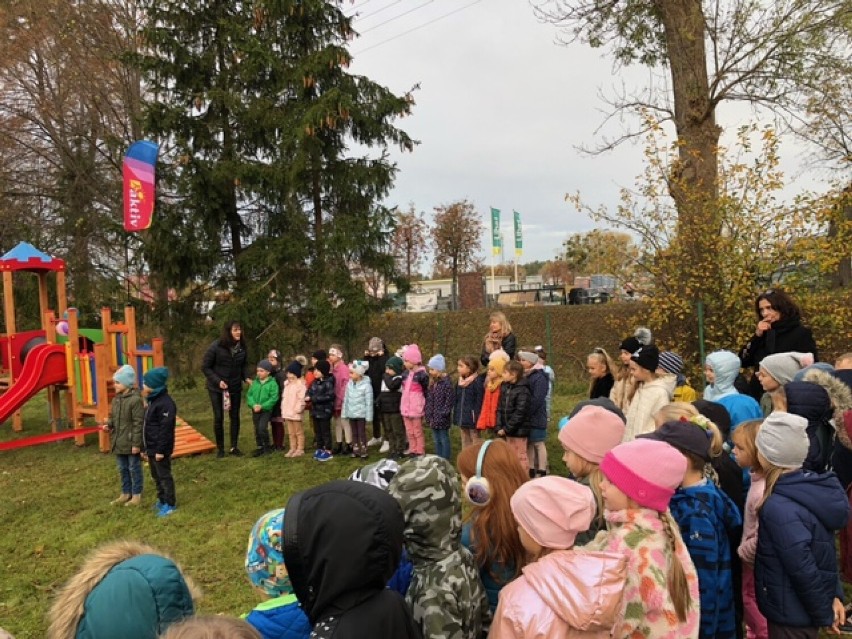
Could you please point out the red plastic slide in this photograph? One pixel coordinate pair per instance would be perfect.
(44, 366)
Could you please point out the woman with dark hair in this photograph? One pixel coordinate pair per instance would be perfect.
(225, 366)
(779, 330)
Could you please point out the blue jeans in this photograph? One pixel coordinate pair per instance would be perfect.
(442, 442)
(130, 470)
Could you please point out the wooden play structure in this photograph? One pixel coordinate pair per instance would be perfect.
(63, 358)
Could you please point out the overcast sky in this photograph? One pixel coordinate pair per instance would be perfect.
(500, 111)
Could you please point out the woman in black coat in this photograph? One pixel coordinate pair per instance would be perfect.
(779, 330)
(226, 367)
(499, 336)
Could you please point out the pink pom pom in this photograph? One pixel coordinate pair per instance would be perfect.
(807, 359)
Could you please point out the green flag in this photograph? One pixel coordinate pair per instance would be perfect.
(496, 241)
(519, 235)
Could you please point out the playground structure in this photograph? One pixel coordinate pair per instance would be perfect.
(62, 357)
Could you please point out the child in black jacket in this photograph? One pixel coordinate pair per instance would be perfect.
(158, 437)
(513, 410)
(390, 395)
(321, 394)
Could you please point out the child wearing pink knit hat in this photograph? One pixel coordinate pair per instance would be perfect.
(585, 439)
(563, 592)
(661, 593)
(415, 381)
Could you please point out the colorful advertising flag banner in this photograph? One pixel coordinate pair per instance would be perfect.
(138, 189)
(496, 240)
(519, 235)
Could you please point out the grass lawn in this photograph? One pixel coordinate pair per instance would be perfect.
(54, 508)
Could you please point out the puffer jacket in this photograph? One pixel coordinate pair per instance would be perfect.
(124, 585)
(648, 399)
(795, 570)
(414, 385)
(293, 399)
(568, 594)
(812, 402)
(439, 404)
(158, 427)
(468, 402)
(839, 387)
(125, 422)
(358, 401)
(321, 394)
(351, 601)
(513, 409)
(280, 618)
(740, 407)
(539, 386)
(446, 594)
(340, 373)
(708, 520)
(390, 395)
(226, 363)
(263, 393)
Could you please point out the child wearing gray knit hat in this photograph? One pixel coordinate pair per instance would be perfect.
(784, 366)
(783, 440)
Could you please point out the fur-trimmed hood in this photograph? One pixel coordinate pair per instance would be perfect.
(841, 399)
(125, 588)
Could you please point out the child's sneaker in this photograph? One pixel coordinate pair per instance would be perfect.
(166, 510)
(385, 447)
(374, 441)
(354, 449)
(317, 453)
(158, 505)
(324, 455)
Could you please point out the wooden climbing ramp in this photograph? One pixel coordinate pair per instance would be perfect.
(189, 441)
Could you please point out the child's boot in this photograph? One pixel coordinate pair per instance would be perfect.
(300, 444)
(293, 447)
(136, 500)
(123, 498)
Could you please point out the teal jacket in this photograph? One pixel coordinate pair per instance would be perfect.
(123, 589)
(267, 393)
(125, 422)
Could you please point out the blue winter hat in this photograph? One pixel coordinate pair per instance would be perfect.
(438, 363)
(156, 379)
(265, 555)
(125, 376)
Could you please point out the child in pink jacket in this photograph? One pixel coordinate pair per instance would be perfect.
(415, 381)
(292, 407)
(564, 593)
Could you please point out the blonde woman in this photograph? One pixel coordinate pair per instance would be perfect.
(499, 337)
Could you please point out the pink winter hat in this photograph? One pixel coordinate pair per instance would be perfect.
(552, 510)
(645, 470)
(411, 353)
(592, 433)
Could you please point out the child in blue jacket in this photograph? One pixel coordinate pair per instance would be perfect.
(796, 579)
(279, 616)
(707, 518)
(439, 405)
(358, 406)
(467, 402)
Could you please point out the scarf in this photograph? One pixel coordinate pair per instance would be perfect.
(464, 382)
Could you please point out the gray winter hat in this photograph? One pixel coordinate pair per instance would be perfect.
(784, 366)
(783, 440)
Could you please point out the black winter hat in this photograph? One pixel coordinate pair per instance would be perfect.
(319, 355)
(685, 436)
(641, 337)
(295, 368)
(648, 357)
(323, 367)
(716, 413)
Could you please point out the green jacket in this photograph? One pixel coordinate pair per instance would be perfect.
(265, 393)
(125, 422)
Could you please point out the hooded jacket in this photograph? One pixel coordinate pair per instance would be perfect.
(321, 394)
(358, 400)
(726, 367)
(539, 386)
(812, 402)
(158, 425)
(390, 394)
(513, 408)
(840, 394)
(293, 399)
(785, 335)
(796, 576)
(342, 542)
(708, 519)
(122, 585)
(648, 399)
(567, 594)
(445, 594)
(125, 421)
(467, 402)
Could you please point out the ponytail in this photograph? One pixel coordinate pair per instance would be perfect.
(677, 582)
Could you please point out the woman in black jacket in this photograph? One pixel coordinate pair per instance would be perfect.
(779, 330)
(225, 366)
(499, 336)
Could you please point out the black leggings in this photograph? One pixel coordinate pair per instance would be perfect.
(219, 418)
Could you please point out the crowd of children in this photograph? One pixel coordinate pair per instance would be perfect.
(652, 536)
